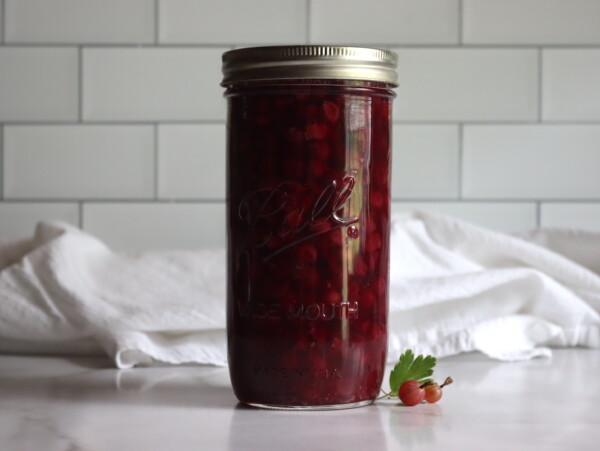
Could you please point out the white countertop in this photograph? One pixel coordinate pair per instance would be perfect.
(59, 403)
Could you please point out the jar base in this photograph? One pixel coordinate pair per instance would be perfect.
(351, 405)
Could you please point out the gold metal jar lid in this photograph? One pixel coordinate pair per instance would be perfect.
(310, 62)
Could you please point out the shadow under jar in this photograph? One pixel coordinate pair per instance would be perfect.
(308, 193)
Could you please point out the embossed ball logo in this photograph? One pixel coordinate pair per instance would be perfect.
(283, 216)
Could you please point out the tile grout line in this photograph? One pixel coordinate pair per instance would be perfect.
(540, 83)
(80, 213)
(126, 45)
(471, 200)
(3, 21)
(156, 21)
(116, 123)
(460, 22)
(80, 92)
(128, 122)
(1, 161)
(156, 158)
(492, 122)
(308, 20)
(108, 200)
(221, 45)
(445, 200)
(460, 160)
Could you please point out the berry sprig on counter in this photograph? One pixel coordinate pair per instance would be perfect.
(410, 380)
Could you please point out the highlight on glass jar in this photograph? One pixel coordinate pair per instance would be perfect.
(308, 217)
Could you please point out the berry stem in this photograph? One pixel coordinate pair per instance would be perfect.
(448, 381)
(385, 395)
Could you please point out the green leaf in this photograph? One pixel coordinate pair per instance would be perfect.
(408, 368)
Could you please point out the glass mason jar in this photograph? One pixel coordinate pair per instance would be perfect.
(308, 192)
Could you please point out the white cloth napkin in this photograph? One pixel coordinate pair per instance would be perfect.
(455, 287)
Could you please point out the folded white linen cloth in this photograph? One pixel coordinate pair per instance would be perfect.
(455, 287)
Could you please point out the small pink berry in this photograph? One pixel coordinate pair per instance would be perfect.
(352, 232)
(333, 297)
(307, 253)
(367, 298)
(315, 130)
(373, 242)
(331, 111)
(411, 393)
(310, 112)
(294, 219)
(372, 226)
(360, 266)
(309, 276)
(336, 237)
(377, 199)
(317, 168)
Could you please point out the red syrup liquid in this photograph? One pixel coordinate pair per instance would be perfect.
(308, 231)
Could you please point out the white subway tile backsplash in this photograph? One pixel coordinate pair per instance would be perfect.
(500, 216)
(531, 162)
(425, 161)
(18, 220)
(152, 84)
(191, 161)
(467, 84)
(571, 215)
(571, 84)
(78, 162)
(118, 105)
(385, 22)
(1, 163)
(77, 21)
(1, 21)
(232, 21)
(531, 21)
(152, 226)
(38, 84)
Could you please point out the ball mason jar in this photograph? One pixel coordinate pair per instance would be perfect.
(308, 218)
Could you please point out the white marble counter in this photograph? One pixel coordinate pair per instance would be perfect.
(72, 404)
